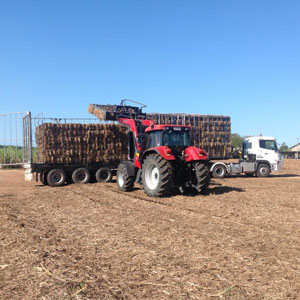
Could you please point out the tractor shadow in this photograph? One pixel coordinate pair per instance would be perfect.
(214, 189)
(219, 190)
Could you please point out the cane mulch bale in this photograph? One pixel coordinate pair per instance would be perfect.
(81, 143)
(209, 132)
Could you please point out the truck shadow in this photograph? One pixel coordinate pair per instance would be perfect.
(270, 176)
(284, 175)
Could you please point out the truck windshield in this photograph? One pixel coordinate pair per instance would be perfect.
(176, 136)
(268, 144)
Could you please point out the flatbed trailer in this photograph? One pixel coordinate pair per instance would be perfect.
(60, 174)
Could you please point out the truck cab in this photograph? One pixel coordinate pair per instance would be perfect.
(260, 157)
(264, 149)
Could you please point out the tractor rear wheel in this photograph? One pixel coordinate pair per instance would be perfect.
(200, 180)
(124, 181)
(157, 176)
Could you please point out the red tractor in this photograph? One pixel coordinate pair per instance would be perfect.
(160, 156)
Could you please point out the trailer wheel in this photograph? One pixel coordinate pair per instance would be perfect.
(81, 175)
(219, 171)
(56, 177)
(43, 178)
(124, 181)
(104, 174)
(157, 176)
(263, 170)
(201, 178)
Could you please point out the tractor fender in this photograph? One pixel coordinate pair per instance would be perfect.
(163, 151)
(129, 167)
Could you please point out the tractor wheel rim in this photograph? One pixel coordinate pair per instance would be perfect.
(121, 179)
(152, 176)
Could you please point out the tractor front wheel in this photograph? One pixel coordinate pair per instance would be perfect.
(124, 181)
(157, 176)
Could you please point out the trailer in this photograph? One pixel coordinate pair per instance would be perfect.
(260, 157)
(59, 174)
(73, 150)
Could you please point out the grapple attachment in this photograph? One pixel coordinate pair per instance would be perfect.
(114, 112)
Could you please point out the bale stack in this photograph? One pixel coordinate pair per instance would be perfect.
(211, 133)
(81, 143)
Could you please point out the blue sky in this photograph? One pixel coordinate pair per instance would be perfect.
(236, 58)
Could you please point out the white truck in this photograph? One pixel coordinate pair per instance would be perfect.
(260, 157)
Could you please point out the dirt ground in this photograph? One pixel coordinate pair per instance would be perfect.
(240, 241)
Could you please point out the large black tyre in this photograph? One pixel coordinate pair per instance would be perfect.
(263, 170)
(157, 176)
(201, 177)
(219, 171)
(81, 176)
(104, 174)
(56, 177)
(124, 181)
(43, 178)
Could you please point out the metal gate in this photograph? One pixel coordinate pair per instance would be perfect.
(15, 139)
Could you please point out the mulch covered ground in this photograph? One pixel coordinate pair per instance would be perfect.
(240, 241)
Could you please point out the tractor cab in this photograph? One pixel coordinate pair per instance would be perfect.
(172, 136)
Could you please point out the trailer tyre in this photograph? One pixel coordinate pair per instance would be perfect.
(56, 177)
(81, 176)
(43, 178)
(124, 181)
(263, 170)
(219, 171)
(157, 176)
(201, 177)
(104, 174)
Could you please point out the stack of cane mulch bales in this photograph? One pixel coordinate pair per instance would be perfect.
(209, 132)
(81, 143)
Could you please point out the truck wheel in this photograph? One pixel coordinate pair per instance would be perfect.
(219, 171)
(81, 175)
(263, 170)
(56, 177)
(124, 181)
(104, 174)
(201, 177)
(157, 176)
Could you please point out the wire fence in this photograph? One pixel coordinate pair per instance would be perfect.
(11, 138)
(17, 135)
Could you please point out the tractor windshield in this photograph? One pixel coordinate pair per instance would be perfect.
(171, 136)
(176, 136)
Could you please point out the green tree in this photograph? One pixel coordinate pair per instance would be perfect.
(283, 147)
(236, 140)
